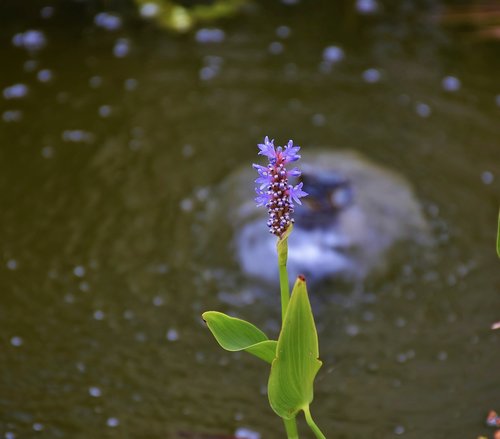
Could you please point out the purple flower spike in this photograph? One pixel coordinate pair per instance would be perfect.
(273, 190)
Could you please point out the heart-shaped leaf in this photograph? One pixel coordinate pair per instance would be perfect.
(239, 335)
(290, 387)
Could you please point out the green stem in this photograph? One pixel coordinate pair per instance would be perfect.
(291, 428)
(285, 291)
(312, 425)
(282, 248)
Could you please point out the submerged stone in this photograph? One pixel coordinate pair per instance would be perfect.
(356, 212)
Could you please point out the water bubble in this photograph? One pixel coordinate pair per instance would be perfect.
(84, 286)
(276, 48)
(121, 48)
(371, 76)
(352, 330)
(423, 110)
(95, 81)
(206, 35)
(47, 12)
(368, 316)
(402, 357)
(366, 6)
(130, 84)
(108, 21)
(112, 422)
(9, 435)
(283, 32)
(158, 301)
(104, 111)
(172, 335)
(333, 54)
(77, 136)
(208, 72)
(451, 83)
(69, 298)
(44, 75)
(318, 119)
(140, 337)
(30, 65)
(30, 40)
(442, 356)
(128, 314)
(487, 177)
(399, 429)
(187, 150)
(12, 115)
(16, 341)
(211, 68)
(79, 271)
(16, 91)
(95, 391)
(12, 264)
(47, 152)
(246, 433)
(202, 193)
(37, 426)
(149, 10)
(400, 322)
(99, 315)
(187, 205)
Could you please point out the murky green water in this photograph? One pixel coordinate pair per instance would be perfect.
(106, 163)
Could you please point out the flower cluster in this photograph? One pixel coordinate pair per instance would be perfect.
(273, 189)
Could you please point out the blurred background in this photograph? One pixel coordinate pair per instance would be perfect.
(118, 120)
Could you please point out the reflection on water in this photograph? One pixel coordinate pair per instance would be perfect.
(113, 138)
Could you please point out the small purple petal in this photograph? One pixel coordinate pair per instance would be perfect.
(290, 152)
(295, 172)
(267, 148)
(263, 181)
(262, 197)
(296, 193)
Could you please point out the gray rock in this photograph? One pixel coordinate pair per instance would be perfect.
(357, 212)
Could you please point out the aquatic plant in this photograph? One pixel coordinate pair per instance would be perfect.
(177, 17)
(294, 357)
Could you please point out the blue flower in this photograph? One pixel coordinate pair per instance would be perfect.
(273, 190)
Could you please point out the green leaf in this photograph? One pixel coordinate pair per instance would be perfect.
(498, 236)
(238, 335)
(290, 387)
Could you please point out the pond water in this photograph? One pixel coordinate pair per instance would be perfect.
(111, 143)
